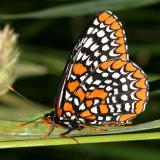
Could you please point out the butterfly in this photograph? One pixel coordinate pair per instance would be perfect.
(99, 85)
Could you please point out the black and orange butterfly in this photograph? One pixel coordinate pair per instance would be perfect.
(99, 85)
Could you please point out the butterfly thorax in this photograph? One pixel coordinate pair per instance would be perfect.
(64, 120)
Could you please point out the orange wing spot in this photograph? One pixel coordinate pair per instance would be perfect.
(89, 103)
(139, 107)
(120, 40)
(68, 108)
(86, 113)
(80, 94)
(119, 33)
(73, 85)
(123, 57)
(103, 108)
(125, 117)
(138, 74)
(103, 16)
(118, 64)
(106, 64)
(141, 83)
(142, 94)
(79, 69)
(93, 117)
(130, 67)
(97, 93)
(115, 25)
(121, 49)
(110, 20)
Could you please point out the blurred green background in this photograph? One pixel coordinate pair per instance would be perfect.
(45, 41)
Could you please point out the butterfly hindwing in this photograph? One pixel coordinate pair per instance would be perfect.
(116, 91)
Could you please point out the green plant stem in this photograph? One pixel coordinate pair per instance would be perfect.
(81, 140)
(79, 8)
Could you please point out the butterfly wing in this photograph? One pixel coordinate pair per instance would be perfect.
(103, 39)
(116, 92)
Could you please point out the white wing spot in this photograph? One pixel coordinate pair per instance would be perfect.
(73, 77)
(88, 62)
(108, 118)
(124, 97)
(118, 107)
(93, 122)
(90, 30)
(124, 87)
(97, 82)
(104, 74)
(100, 33)
(91, 88)
(96, 54)
(99, 71)
(127, 106)
(102, 25)
(96, 22)
(115, 91)
(82, 106)
(67, 95)
(114, 99)
(101, 86)
(115, 84)
(89, 80)
(76, 101)
(116, 75)
(96, 101)
(111, 108)
(104, 40)
(68, 114)
(108, 81)
(105, 47)
(95, 30)
(95, 63)
(85, 57)
(100, 118)
(82, 77)
(80, 54)
(94, 47)
(108, 101)
(108, 88)
(103, 58)
(88, 43)
(123, 80)
(112, 53)
(73, 117)
(94, 110)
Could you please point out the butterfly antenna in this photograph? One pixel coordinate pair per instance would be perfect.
(23, 124)
(13, 90)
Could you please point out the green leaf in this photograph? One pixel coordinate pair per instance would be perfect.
(12, 134)
(81, 8)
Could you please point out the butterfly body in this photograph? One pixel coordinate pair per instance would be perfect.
(100, 85)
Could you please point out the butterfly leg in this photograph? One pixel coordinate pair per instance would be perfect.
(93, 128)
(63, 135)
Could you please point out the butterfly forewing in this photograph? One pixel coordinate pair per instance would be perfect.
(99, 84)
(102, 39)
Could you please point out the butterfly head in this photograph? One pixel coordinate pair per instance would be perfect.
(49, 118)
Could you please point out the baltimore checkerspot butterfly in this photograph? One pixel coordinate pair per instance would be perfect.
(99, 85)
